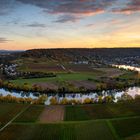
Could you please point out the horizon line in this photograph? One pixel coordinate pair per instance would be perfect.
(72, 48)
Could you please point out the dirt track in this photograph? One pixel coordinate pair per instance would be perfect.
(52, 114)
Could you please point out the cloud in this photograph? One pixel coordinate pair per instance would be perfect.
(34, 25)
(82, 7)
(131, 7)
(3, 40)
(68, 18)
(104, 24)
(90, 25)
(115, 21)
(6, 6)
(68, 10)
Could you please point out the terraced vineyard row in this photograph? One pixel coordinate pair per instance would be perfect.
(85, 122)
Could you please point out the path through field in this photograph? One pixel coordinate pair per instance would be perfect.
(52, 114)
(6, 125)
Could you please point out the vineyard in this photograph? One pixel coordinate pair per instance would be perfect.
(81, 122)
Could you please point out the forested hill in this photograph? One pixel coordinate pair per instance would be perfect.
(70, 54)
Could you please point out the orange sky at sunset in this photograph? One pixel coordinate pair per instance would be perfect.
(69, 24)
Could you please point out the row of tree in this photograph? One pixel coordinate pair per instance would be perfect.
(12, 99)
(101, 100)
(65, 101)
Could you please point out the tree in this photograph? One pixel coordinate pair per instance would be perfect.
(87, 101)
(82, 89)
(42, 99)
(26, 87)
(100, 100)
(126, 97)
(64, 101)
(53, 101)
(37, 88)
(108, 99)
(101, 86)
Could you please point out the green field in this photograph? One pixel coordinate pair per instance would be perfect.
(101, 111)
(61, 77)
(75, 113)
(82, 122)
(31, 114)
(74, 131)
(127, 127)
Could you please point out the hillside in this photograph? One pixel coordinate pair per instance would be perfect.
(84, 54)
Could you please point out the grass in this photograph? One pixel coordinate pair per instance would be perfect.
(129, 76)
(101, 111)
(75, 113)
(127, 127)
(59, 78)
(94, 131)
(74, 131)
(31, 114)
(105, 111)
(134, 137)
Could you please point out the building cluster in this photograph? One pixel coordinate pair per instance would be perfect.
(9, 70)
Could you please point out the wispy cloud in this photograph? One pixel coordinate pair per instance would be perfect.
(34, 25)
(71, 6)
(71, 10)
(3, 40)
(68, 18)
(6, 6)
(104, 24)
(131, 7)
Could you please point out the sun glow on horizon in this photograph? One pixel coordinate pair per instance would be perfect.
(77, 24)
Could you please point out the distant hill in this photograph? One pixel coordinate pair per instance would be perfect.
(74, 54)
(9, 51)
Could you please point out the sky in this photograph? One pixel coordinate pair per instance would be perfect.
(29, 24)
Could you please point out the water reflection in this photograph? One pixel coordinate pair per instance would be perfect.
(126, 67)
(132, 91)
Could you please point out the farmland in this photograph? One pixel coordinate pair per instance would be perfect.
(67, 71)
(76, 75)
(127, 127)
(59, 131)
(7, 112)
(99, 111)
(81, 122)
(26, 115)
(52, 114)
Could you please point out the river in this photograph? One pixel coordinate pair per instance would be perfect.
(77, 96)
(126, 67)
